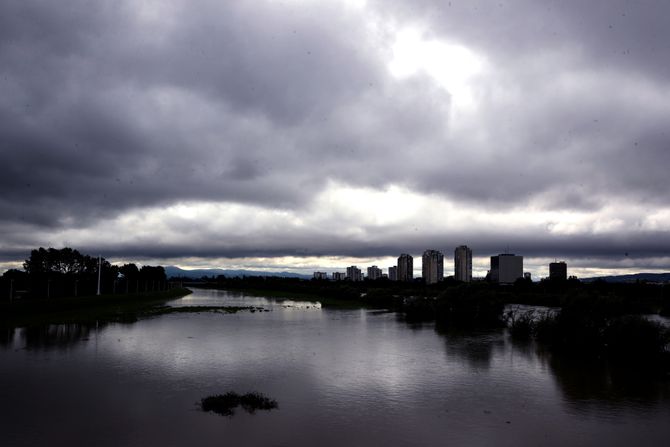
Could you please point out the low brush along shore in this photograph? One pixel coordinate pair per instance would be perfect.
(84, 309)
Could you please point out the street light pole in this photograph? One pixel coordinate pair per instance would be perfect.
(99, 268)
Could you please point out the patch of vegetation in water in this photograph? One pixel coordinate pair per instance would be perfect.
(521, 324)
(164, 310)
(225, 404)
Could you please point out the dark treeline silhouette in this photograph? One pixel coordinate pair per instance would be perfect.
(55, 273)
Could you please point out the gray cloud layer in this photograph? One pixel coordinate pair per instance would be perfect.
(110, 107)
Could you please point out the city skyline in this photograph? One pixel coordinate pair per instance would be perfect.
(505, 268)
(303, 135)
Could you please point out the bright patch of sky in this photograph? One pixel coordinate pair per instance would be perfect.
(453, 66)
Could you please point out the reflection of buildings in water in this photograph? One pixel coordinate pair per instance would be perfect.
(476, 349)
(7, 336)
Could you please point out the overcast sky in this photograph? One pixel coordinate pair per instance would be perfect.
(307, 134)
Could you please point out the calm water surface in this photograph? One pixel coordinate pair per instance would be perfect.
(341, 377)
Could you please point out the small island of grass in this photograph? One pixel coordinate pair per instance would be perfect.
(225, 404)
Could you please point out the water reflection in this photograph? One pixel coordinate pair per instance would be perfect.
(341, 377)
(475, 348)
(6, 336)
(52, 336)
(591, 385)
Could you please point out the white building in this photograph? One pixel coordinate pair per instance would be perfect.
(463, 263)
(393, 273)
(432, 266)
(339, 276)
(354, 273)
(320, 275)
(374, 272)
(506, 268)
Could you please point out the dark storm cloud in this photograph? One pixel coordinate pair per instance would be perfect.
(110, 107)
(95, 116)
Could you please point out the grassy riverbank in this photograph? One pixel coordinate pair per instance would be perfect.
(84, 309)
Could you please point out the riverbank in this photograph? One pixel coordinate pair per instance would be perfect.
(84, 309)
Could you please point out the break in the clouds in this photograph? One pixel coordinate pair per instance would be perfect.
(333, 130)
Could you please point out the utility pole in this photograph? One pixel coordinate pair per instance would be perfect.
(99, 268)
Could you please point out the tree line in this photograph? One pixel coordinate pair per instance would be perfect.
(57, 273)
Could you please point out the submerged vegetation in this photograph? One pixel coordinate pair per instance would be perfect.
(164, 310)
(583, 329)
(225, 404)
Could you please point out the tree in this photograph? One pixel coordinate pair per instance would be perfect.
(150, 273)
(65, 261)
(129, 271)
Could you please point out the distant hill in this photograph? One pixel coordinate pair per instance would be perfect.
(199, 273)
(649, 277)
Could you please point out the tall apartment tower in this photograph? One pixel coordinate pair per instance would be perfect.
(463, 263)
(374, 272)
(393, 273)
(558, 271)
(354, 273)
(432, 266)
(506, 268)
(405, 267)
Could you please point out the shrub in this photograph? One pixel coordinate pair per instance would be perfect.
(225, 404)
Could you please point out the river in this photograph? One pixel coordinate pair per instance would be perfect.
(341, 378)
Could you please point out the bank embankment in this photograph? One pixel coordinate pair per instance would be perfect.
(84, 309)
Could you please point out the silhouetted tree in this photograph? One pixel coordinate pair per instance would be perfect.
(150, 273)
(129, 271)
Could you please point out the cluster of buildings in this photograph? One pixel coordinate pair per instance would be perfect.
(505, 269)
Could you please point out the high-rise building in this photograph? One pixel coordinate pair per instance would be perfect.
(354, 273)
(405, 267)
(432, 266)
(320, 275)
(339, 276)
(393, 273)
(463, 263)
(506, 268)
(374, 272)
(558, 271)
